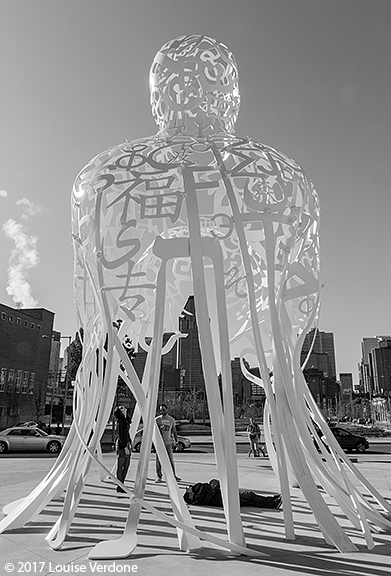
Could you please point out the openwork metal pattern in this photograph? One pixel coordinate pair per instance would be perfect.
(198, 210)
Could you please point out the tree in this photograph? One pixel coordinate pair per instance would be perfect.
(75, 353)
(12, 405)
(39, 403)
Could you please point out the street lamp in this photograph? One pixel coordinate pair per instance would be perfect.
(64, 408)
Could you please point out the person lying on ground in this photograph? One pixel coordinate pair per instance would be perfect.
(209, 494)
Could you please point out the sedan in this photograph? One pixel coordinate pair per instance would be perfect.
(349, 441)
(29, 423)
(25, 438)
(180, 446)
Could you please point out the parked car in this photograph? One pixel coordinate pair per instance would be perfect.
(182, 443)
(28, 438)
(29, 423)
(349, 441)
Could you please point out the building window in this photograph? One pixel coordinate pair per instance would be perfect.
(2, 379)
(38, 328)
(32, 383)
(26, 323)
(18, 381)
(32, 325)
(25, 382)
(18, 321)
(10, 318)
(10, 381)
(3, 315)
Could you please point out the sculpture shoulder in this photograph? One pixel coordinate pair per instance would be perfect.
(104, 160)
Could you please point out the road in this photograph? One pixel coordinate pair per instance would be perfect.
(377, 446)
(204, 444)
(15, 466)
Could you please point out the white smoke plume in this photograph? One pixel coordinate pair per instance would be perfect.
(30, 209)
(23, 257)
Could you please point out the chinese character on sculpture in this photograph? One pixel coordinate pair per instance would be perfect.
(196, 209)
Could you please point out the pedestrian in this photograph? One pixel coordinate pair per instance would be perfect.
(123, 445)
(58, 429)
(253, 433)
(166, 425)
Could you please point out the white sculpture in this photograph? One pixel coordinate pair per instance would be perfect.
(198, 210)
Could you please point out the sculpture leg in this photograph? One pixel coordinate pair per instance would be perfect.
(124, 546)
(224, 453)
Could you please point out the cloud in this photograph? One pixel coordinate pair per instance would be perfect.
(23, 257)
(3, 193)
(29, 209)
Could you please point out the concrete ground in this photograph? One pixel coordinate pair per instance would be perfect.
(102, 514)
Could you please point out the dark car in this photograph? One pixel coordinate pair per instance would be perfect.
(349, 441)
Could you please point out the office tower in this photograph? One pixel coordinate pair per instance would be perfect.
(322, 356)
(168, 367)
(346, 379)
(189, 358)
(380, 362)
(242, 388)
(366, 368)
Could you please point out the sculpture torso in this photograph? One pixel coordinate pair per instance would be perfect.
(236, 188)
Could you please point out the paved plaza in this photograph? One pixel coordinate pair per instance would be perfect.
(102, 514)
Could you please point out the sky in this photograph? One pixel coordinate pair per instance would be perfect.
(315, 83)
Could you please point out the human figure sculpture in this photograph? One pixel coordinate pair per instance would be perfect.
(196, 209)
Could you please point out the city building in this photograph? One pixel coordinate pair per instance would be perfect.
(25, 359)
(189, 357)
(318, 360)
(181, 368)
(57, 383)
(367, 372)
(243, 389)
(169, 372)
(322, 356)
(346, 381)
(380, 362)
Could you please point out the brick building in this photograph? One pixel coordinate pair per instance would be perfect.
(25, 352)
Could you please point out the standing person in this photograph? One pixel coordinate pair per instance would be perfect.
(166, 425)
(123, 444)
(253, 433)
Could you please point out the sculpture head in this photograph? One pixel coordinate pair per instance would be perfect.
(194, 86)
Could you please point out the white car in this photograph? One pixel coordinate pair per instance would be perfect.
(26, 438)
